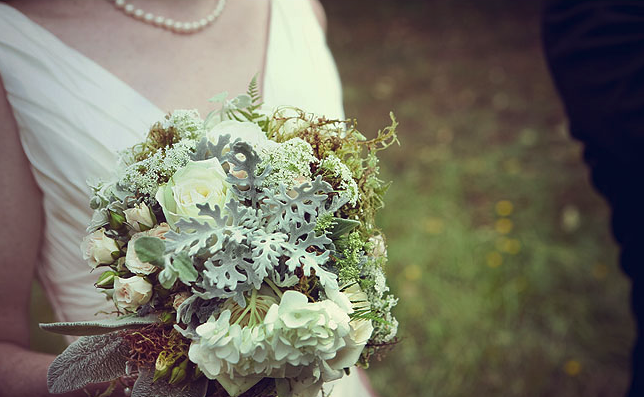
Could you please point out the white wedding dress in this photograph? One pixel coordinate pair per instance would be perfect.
(74, 116)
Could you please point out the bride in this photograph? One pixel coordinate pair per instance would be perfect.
(82, 79)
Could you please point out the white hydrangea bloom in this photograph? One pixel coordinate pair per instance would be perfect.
(304, 331)
(318, 339)
(218, 346)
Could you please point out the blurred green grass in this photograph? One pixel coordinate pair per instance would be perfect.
(499, 248)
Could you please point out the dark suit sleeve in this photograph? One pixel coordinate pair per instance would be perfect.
(595, 49)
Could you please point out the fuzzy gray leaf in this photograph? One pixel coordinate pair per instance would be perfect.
(205, 150)
(310, 200)
(301, 239)
(98, 327)
(195, 236)
(91, 359)
(145, 387)
(242, 157)
(195, 306)
(267, 249)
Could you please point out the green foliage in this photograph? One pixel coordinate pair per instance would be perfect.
(151, 250)
(244, 107)
(351, 257)
(342, 139)
(339, 227)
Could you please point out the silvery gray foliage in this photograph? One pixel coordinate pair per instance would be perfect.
(296, 213)
(193, 312)
(145, 387)
(90, 359)
(258, 234)
(107, 197)
(303, 203)
(206, 150)
(242, 157)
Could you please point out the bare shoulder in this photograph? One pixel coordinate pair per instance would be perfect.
(318, 9)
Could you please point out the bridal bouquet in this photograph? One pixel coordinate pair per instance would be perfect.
(241, 256)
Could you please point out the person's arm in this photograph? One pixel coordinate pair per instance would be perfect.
(22, 372)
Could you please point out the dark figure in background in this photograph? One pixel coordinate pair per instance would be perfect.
(595, 50)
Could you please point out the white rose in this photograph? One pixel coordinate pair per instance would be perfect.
(248, 132)
(199, 182)
(139, 216)
(97, 248)
(132, 292)
(132, 261)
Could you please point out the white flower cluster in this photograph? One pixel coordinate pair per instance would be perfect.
(290, 163)
(338, 169)
(293, 334)
(188, 123)
(385, 331)
(143, 176)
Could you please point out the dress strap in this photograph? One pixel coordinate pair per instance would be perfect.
(300, 70)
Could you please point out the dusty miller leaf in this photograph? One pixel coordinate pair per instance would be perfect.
(206, 150)
(309, 201)
(196, 237)
(195, 306)
(242, 157)
(90, 359)
(185, 269)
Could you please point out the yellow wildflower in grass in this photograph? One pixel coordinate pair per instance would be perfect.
(510, 246)
(434, 225)
(494, 259)
(504, 208)
(572, 367)
(413, 272)
(503, 226)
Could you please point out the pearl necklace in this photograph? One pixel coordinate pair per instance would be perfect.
(168, 23)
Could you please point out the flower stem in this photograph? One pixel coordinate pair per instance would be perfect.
(273, 287)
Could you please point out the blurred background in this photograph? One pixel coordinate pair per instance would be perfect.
(499, 248)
